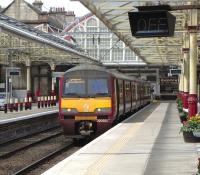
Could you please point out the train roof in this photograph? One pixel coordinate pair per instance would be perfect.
(102, 69)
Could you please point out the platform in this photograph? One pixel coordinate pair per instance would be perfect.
(148, 143)
(25, 114)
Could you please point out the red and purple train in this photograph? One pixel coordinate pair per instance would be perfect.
(93, 98)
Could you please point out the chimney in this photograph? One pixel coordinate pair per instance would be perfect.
(38, 4)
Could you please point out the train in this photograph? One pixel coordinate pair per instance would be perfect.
(92, 99)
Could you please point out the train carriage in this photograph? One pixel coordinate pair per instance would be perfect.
(92, 99)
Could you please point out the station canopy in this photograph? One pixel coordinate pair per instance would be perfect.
(19, 42)
(157, 50)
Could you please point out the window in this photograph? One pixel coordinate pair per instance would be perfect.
(117, 54)
(92, 22)
(98, 87)
(74, 87)
(129, 55)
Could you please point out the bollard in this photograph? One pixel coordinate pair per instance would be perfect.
(54, 100)
(30, 103)
(38, 102)
(26, 103)
(51, 100)
(5, 108)
(21, 105)
(42, 101)
(48, 101)
(16, 104)
(11, 105)
(45, 101)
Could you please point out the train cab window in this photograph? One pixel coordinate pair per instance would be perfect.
(74, 87)
(98, 87)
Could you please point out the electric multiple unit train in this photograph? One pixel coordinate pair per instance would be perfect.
(93, 98)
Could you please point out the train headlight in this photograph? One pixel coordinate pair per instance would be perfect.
(102, 110)
(68, 110)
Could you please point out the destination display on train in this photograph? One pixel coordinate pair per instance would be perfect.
(152, 23)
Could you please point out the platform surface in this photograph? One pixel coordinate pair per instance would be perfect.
(26, 113)
(148, 143)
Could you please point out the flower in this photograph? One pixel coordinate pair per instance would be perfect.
(192, 125)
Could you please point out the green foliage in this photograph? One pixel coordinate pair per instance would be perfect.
(183, 116)
(191, 125)
(179, 105)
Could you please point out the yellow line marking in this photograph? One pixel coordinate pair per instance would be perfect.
(98, 165)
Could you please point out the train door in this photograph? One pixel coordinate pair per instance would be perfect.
(136, 95)
(117, 98)
(133, 95)
(124, 96)
(127, 96)
(121, 97)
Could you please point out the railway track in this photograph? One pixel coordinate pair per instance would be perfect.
(21, 155)
(14, 146)
(34, 165)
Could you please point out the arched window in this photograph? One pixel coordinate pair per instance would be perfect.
(92, 22)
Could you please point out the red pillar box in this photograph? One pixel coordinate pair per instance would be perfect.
(192, 105)
(185, 100)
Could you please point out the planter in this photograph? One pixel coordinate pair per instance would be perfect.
(190, 138)
(196, 134)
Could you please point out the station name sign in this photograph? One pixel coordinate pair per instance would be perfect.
(175, 72)
(158, 23)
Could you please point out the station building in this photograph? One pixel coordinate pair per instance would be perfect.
(86, 32)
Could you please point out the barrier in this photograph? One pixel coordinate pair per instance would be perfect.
(54, 100)
(38, 102)
(45, 101)
(26, 103)
(48, 101)
(16, 104)
(11, 106)
(21, 104)
(30, 103)
(5, 108)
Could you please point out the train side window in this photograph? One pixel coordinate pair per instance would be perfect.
(120, 83)
(133, 90)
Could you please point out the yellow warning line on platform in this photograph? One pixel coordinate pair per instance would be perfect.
(98, 165)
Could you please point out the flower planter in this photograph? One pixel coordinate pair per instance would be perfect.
(190, 138)
(196, 134)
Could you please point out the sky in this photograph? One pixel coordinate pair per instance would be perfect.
(77, 7)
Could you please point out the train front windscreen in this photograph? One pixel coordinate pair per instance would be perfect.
(86, 87)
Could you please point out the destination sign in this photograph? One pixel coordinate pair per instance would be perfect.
(152, 23)
(175, 71)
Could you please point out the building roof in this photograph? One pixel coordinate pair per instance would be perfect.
(50, 20)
